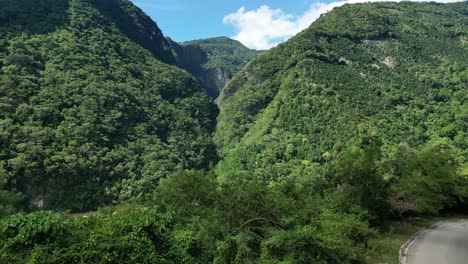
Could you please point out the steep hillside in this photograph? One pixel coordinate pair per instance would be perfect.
(213, 61)
(358, 120)
(87, 116)
(394, 71)
(137, 26)
(46, 15)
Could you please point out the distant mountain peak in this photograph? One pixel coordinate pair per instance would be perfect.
(213, 61)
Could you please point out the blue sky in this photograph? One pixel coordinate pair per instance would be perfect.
(258, 24)
(184, 20)
(190, 19)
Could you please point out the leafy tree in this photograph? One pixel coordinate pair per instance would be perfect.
(359, 173)
(127, 236)
(9, 200)
(429, 179)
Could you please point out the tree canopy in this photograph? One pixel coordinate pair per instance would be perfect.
(396, 70)
(89, 117)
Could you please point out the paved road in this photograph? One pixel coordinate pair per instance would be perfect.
(446, 243)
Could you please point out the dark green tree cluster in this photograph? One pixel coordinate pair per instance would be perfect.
(87, 116)
(9, 198)
(194, 219)
(427, 181)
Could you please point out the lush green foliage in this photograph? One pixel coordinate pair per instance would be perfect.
(397, 71)
(222, 52)
(213, 61)
(429, 180)
(47, 15)
(359, 174)
(32, 17)
(88, 117)
(196, 220)
(137, 26)
(9, 199)
(132, 236)
(360, 118)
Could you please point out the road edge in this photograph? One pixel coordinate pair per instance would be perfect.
(403, 257)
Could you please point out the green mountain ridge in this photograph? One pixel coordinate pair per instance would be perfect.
(137, 26)
(47, 15)
(88, 116)
(213, 61)
(396, 71)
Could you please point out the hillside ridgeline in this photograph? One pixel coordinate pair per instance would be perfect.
(213, 61)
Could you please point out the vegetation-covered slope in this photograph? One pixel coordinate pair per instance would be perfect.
(213, 61)
(137, 26)
(395, 71)
(87, 116)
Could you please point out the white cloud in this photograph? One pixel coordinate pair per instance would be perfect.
(262, 28)
(266, 27)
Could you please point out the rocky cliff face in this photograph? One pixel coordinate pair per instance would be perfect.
(213, 61)
(214, 80)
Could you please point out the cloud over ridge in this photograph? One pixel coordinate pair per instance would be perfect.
(265, 27)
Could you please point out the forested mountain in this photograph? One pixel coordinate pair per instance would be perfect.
(88, 116)
(47, 15)
(394, 71)
(358, 120)
(213, 61)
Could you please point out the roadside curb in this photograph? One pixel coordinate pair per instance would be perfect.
(404, 249)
